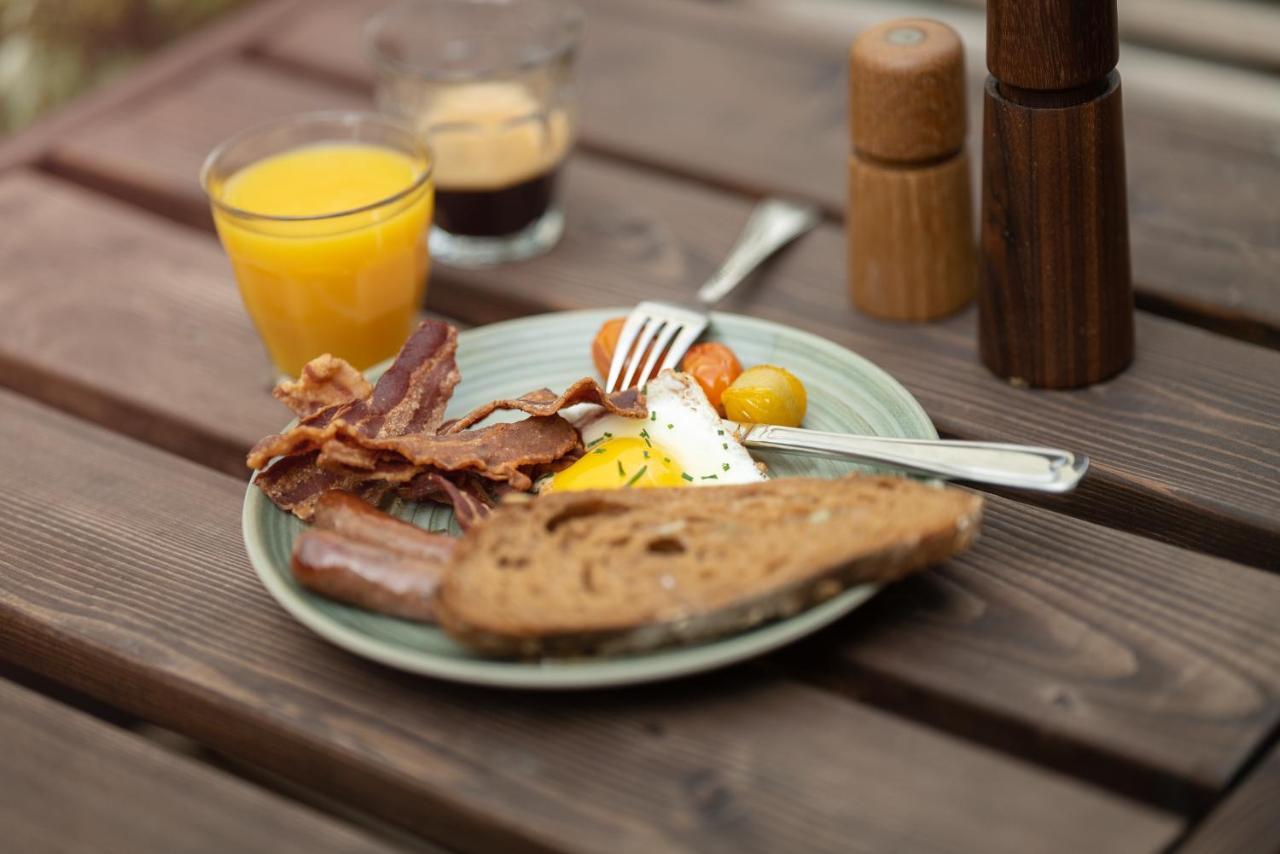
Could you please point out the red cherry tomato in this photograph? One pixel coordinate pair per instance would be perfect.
(714, 366)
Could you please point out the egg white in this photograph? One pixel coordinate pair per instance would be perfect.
(681, 424)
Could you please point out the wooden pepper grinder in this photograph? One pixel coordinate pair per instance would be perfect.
(1055, 300)
(911, 242)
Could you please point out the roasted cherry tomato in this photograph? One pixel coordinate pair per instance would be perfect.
(714, 366)
(766, 394)
(605, 342)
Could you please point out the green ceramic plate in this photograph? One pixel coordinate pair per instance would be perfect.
(846, 393)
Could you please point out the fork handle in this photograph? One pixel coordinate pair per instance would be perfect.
(1020, 466)
(774, 223)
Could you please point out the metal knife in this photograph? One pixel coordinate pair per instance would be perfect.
(1019, 466)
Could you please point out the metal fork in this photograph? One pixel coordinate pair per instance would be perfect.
(656, 327)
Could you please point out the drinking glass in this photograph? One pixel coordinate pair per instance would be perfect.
(489, 83)
(330, 252)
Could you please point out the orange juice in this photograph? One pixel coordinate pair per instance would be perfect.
(328, 244)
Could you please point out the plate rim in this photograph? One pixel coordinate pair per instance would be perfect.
(561, 674)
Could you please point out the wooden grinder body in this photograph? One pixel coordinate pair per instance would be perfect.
(910, 226)
(1055, 297)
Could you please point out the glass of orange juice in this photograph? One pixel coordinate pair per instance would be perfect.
(325, 219)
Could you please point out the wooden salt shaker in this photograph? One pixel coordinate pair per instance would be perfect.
(911, 242)
(1055, 300)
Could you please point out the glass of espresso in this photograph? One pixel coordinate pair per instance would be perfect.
(489, 84)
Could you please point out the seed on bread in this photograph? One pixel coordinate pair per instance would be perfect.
(630, 570)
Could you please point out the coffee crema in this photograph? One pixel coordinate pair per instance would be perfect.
(497, 157)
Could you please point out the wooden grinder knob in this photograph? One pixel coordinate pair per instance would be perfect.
(911, 249)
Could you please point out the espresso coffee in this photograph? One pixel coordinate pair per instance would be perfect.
(497, 158)
(494, 213)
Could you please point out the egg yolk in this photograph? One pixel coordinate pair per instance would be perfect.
(627, 462)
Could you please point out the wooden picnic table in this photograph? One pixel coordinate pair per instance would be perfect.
(1101, 673)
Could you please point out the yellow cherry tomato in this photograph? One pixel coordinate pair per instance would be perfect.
(765, 394)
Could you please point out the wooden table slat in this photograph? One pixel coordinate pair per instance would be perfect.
(633, 233)
(155, 609)
(1248, 819)
(749, 99)
(72, 783)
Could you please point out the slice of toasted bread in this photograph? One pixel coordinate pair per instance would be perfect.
(629, 570)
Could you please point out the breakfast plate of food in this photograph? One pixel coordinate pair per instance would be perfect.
(480, 509)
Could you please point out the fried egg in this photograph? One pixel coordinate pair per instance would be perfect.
(681, 443)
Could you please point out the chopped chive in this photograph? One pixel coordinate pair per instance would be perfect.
(599, 450)
(710, 477)
(608, 435)
(636, 476)
(724, 467)
(686, 475)
(666, 459)
(671, 426)
(621, 471)
(718, 433)
(725, 445)
(653, 416)
(594, 442)
(646, 454)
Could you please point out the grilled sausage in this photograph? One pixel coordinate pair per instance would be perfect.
(354, 519)
(367, 576)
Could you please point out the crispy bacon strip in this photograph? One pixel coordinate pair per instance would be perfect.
(295, 484)
(466, 493)
(325, 382)
(497, 452)
(544, 402)
(410, 397)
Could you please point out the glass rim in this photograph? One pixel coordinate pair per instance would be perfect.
(570, 29)
(336, 117)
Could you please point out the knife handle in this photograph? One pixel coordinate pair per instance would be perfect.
(1019, 466)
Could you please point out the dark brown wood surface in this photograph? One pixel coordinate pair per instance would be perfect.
(749, 100)
(1055, 297)
(1248, 820)
(636, 233)
(157, 610)
(1072, 684)
(71, 783)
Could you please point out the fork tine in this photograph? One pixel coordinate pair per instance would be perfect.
(659, 344)
(682, 343)
(650, 329)
(635, 320)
